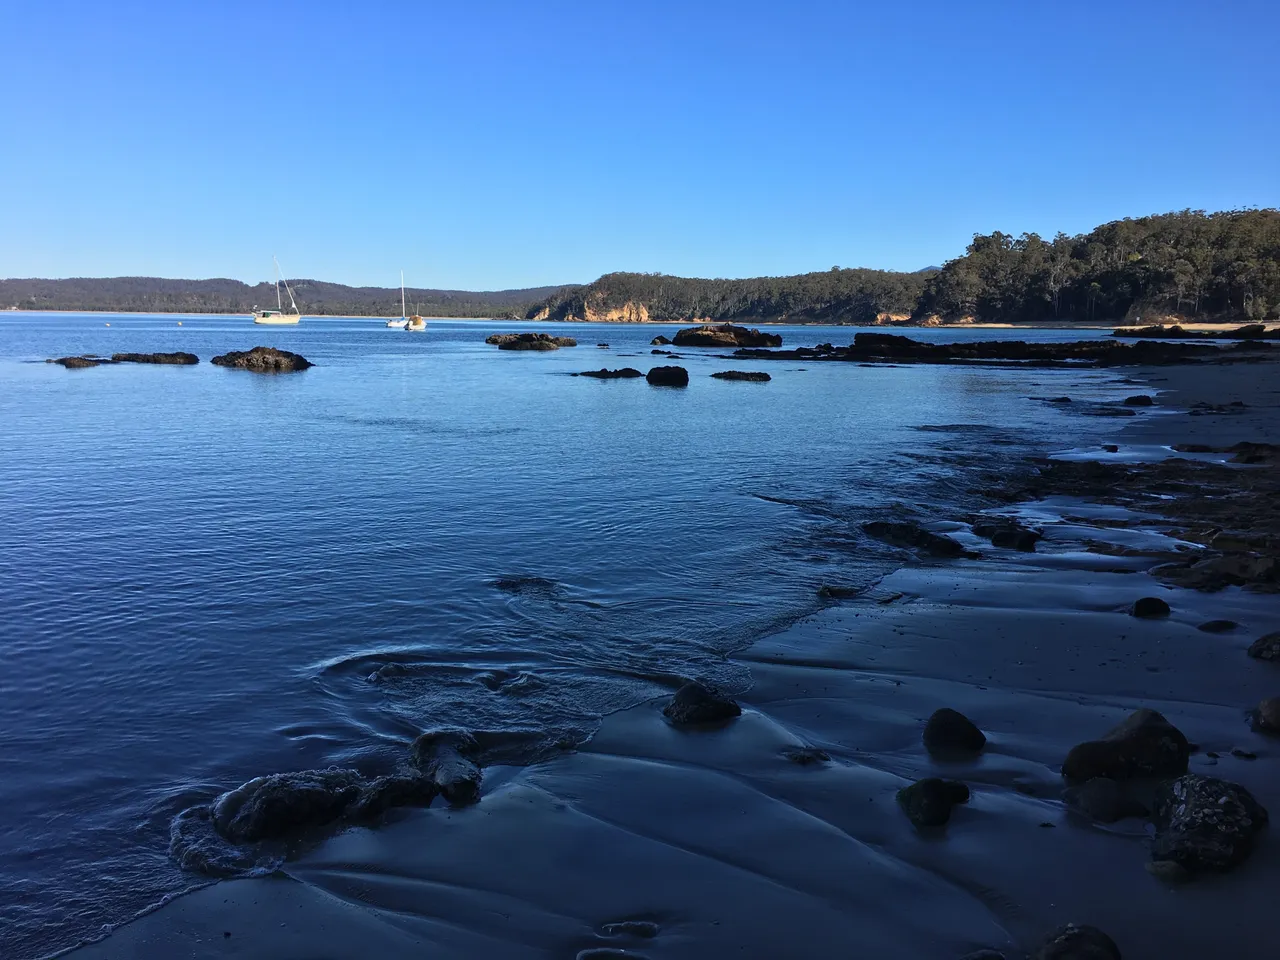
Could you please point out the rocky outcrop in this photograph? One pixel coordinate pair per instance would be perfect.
(263, 360)
(180, 359)
(275, 806)
(749, 376)
(668, 377)
(695, 704)
(660, 341)
(385, 793)
(529, 341)
(626, 373)
(1143, 745)
(725, 335)
(1250, 331)
(447, 759)
(1266, 718)
(915, 537)
(80, 363)
(629, 312)
(1138, 400)
(1077, 942)
(928, 802)
(1205, 824)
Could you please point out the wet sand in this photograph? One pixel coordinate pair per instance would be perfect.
(659, 842)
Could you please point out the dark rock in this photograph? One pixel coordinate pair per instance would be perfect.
(638, 929)
(80, 363)
(750, 376)
(1144, 745)
(660, 341)
(263, 360)
(625, 373)
(181, 359)
(603, 346)
(1111, 448)
(1250, 331)
(446, 758)
(668, 377)
(1205, 824)
(805, 756)
(1141, 400)
(398, 790)
(283, 803)
(948, 731)
(831, 591)
(1078, 942)
(1266, 718)
(1243, 754)
(1105, 801)
(1006, 532)
(1148, 607)
(725, 335)
(695, 703)
(1266, 648)
(914, 536)
(529, 341)
(1059, 400)
(1218, 626)
(928, 802)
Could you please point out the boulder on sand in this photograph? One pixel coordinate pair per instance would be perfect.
(626, 373)
(748, 376)
(1266, 718)
(263, 360)
(1143, 745)
(696, 703)
(725, 335)
(914, 536)
(668, 377)
(447, 759)
(1078, 942)
(950, 732)
(397, 790)
(1266, 647)
(180, 359)
(1149, 608)
(275, 806)
(928, 802)
(1105, 801)
(1205, 824)
(1007, 532)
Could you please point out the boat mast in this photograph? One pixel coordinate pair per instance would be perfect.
(402, 313)
(279, 305)
(292, 303)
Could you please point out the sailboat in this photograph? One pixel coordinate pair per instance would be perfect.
(279, 316)
(400, 324)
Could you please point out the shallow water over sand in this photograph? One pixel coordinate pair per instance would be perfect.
(208, 575)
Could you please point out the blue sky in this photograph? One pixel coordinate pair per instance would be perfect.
(482, 145)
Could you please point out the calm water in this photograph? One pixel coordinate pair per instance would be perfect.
(201, 570)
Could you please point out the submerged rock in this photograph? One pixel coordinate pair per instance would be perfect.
(1218, 626)
(80, 363)
(725, 335)
(1143, 745)
(1205, 824)
(805, 756)
(660, 341)
(948, 731)
(275, 806)
(263, 360)
(626, 373)
(695, 703)
(749, 376)
(1105, 801)
(1266, 648)
(181, 359)
(1078, 942)
(1149, 607)
(1266, 718)
(668, 377)
(928, 802)
(446, 759)
(1141, 400)
(914, 536)
(1007, 532)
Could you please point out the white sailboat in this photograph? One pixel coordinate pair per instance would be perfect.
(279, 316)
(404, 320)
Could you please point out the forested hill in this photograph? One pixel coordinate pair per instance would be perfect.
(1189, 265)
(315, 297)
(1181, 266)
(833, 296)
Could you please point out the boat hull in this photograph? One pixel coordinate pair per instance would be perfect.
(397, 324)
(277, 320)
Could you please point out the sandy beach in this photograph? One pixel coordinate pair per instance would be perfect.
(655, 841)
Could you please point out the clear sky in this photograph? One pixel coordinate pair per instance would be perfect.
(484, 145)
